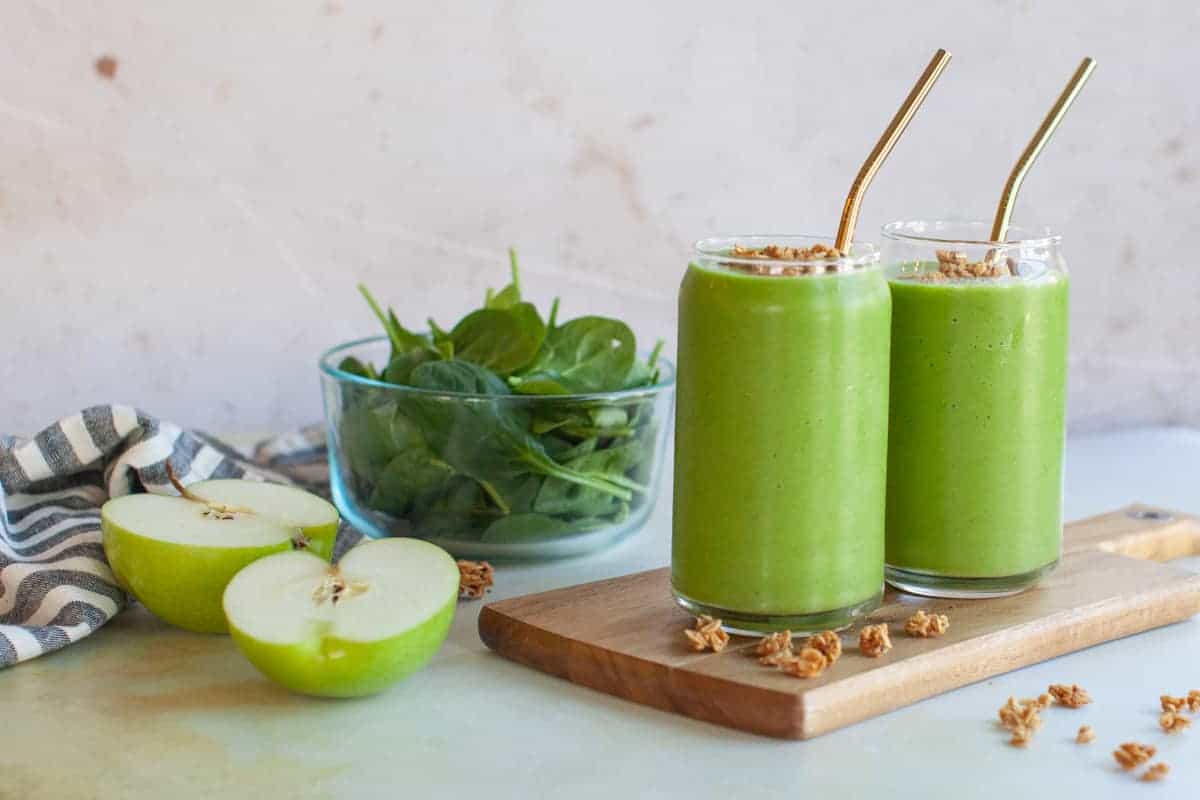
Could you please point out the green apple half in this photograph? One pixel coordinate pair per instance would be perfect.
(349, 629)
(177, 554)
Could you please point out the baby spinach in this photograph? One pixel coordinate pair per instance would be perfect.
(510, 295)
(586, 355)
(492, 466)
(527, 528)
(501, 339)
(458, 376)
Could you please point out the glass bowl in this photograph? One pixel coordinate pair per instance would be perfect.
(493, 476)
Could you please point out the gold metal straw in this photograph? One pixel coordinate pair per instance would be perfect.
(887, 141)
(1048, 126)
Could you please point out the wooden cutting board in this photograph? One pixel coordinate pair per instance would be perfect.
(624, 636)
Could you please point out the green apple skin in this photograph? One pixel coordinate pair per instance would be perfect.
(320, 539)
(333, 667)
(180, 584)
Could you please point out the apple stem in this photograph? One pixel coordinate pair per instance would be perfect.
(179, 487)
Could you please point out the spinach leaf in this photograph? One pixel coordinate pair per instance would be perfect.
(402, 340)
(516, 495)
(541, 384)
(456, 376)
(355, 367)
(399, 368)
(503, 340)
(584, 448)
(510, 295)
(406, 477)
(372, 436)
(570, 499)
(526, 528)
(610, 464)
(454, 509)
(588, 354)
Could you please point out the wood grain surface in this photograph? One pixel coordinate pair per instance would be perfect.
(624, 636)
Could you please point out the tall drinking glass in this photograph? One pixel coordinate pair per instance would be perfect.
(977, 419)
(781, 433)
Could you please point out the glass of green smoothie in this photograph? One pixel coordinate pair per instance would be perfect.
(781, 433)
(978, 395)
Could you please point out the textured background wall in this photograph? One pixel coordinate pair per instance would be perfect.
(186, 235)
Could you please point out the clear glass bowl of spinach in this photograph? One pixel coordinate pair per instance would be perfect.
(507, 436)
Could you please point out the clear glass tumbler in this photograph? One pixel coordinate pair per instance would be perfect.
(977, 413)
(781, 433)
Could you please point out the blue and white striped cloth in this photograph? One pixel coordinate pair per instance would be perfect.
(55, 584)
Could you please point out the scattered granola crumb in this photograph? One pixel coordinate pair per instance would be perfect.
(1131, 754)
(106, 67)
(1156, 772)
(1043, 701)
(925, 625)
(1086, 735)
(1173, 722)
(873, 640)
(707, 635)
(809, 663)
(1072, 696)
(474, 578)
(828, 643)
(1170, 703)
(774, 647)
(1193, 700)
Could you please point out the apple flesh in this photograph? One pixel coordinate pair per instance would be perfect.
(346, 630)
(176, 555)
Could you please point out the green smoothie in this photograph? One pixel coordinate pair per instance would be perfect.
(974, 492)
(780, 446)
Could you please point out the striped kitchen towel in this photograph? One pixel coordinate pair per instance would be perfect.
(55, 585)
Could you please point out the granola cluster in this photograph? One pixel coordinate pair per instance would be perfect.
(1132, 755)
(774, 647)
(808, 663)
(1086, 735)
(1072, 696)
(776, 252)
(1156, 772)
(1020, 718)
(874, 641)
(1173, 722)
(707, 635)
(816, 655)
(1172, 719)
(474, 578)
(925, 625)
(829, 644)
(954, 264)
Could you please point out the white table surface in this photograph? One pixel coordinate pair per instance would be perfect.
(140, 710)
